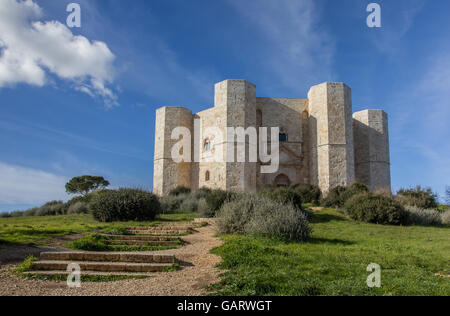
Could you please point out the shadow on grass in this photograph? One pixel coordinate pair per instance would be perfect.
(324, 218)
(341, 242)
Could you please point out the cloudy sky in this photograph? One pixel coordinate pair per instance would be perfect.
(82, 100)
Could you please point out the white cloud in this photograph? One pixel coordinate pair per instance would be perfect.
(19, 185)
(30, 48)
(296, 44)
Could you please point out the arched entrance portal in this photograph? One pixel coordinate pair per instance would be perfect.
(282, 180)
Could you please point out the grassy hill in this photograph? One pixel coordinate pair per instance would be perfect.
(335, 260)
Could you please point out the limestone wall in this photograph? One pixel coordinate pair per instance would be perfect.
(331, 135)
(239, 99)
(372, 157)
(167, 173)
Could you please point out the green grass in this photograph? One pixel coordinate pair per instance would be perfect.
(334, 261)
(25, 266)
(40, 230)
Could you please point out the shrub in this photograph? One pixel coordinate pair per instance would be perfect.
(333, 199)
(309, 193)
(171, 203)
(83, 199)
(214, 200)
(50, 209)
(125, 205)
(78, 208)
(179, 190)
(419, 197)
(256, 214)
(189, 204)
(418, 216)
(376, 209)
(203, 209)
(339, 195)
(284, 196)
(201, 193)
(445, 218)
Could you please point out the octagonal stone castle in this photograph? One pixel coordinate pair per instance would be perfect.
(321, 141)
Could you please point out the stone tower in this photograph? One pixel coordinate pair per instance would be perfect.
(168, 174)
(238, 98)
(331, 136)
(372, 159)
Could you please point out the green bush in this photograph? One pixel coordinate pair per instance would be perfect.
(283, 195)
(180, 190)
(309, 193)
(83, 199)
(189, 204)
(78, 208)
(376, 209)
(339, 195)
(50, 209)
(419, 197)
(125, 205)
(256, 214)
(214, 201)
(203, 209)
(333, 199)
(172, 203)
(419, 216)
(201, 193)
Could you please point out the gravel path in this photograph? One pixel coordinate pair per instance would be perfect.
(198, 270)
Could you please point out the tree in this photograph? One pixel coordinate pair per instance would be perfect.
(85, 184)
(447, 193)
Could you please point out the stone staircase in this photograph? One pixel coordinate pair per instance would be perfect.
(145, 241)
(120, 263)
(103, 263)
(171, 229)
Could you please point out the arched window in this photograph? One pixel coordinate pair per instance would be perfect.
(283, 137)
(207, 145)
(207, 176)
(282, 180)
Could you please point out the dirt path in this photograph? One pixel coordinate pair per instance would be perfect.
(198, 269)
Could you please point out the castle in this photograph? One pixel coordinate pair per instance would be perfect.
(321, 141)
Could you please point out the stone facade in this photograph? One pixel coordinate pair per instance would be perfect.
(321, 142)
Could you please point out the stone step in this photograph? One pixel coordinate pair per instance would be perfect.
(159, 232)
(100, 266)
(143, 242)
(159, 228)
(131, 257)
(143, 238)
(92, 273)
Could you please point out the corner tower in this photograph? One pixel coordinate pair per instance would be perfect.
(168, 174)
(239, 99)
(331, 136)
(372, 157)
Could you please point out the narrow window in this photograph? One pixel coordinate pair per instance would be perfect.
(207, 176)
(206, 145)
(283, 137)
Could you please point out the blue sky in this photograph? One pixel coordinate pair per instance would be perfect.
(71, 106)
